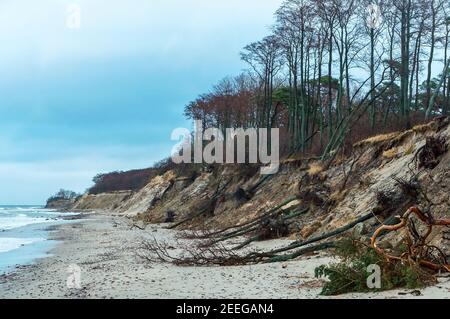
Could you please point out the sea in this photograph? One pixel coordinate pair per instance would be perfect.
(24, 234)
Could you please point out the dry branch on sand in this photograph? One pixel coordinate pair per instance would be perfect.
(211, 252)
(207, 252)
(154, 251)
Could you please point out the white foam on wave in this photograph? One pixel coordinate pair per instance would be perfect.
(14, 218)
(11, 222)
(8, 244)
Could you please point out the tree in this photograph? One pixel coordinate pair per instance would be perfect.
(264, 59)
(63, 194)
(330, 66)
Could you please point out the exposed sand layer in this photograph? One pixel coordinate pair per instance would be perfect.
(104, 247)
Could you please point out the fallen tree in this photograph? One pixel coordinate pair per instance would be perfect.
(230, 232)
(216, 253)
(273, 228)
(334, 233)
(255, 224)
(418, 252)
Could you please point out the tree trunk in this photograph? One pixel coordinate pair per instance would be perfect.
(330, 88)
(446, 105)
(372, 77)
(431, 57)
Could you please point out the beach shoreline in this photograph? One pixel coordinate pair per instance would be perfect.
(104, 248)
(24, 233)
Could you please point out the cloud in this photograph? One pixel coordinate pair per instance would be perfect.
(116, 27)
(32, 182)
(74, 103)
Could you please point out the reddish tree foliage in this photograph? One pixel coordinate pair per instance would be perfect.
(120, 181)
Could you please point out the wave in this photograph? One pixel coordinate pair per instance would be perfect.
(14, 218)
(7, 223)
(8, 244)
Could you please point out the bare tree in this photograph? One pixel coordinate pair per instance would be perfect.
(264, 59)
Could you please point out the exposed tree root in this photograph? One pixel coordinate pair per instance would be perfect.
(245, 195)
(428, 155)
(418, 249)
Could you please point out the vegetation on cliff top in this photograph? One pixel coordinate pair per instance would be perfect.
(63, 196)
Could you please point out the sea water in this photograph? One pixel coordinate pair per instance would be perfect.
(24, 234)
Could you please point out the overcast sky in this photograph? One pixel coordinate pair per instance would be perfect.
(106, 96)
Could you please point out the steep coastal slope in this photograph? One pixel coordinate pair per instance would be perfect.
(104, 201)
(379, 176)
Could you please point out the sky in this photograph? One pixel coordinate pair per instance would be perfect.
(105, 95)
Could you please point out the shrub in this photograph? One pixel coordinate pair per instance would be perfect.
(350, 274)
(63, 194)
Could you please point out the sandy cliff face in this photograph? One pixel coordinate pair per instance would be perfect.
(147, 198)
(372, 179)
(105, 202)
(385, 177)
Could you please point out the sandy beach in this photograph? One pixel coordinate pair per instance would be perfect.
(104, 247)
